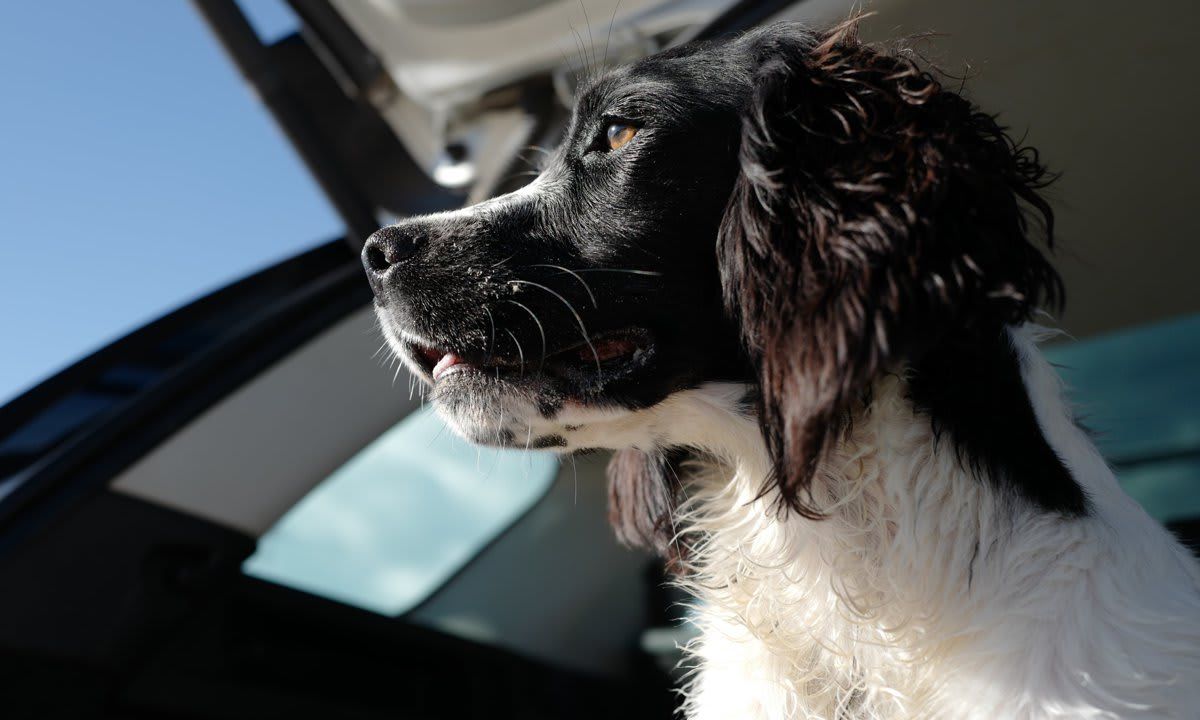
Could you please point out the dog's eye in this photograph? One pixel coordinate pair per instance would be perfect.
(619, 135)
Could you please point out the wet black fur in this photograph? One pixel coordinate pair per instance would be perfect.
(971, 389)
(804, 213)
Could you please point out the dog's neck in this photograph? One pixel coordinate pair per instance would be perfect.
(920, 564)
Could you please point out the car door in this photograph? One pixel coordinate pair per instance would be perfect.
(158, 498)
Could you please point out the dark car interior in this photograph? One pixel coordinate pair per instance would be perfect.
(137, 485)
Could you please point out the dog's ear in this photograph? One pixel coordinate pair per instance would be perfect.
(643, 493)
(874, 211)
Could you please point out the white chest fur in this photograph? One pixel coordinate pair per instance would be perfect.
(926, 593)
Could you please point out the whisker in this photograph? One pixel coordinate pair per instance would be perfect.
(591, 40)
(541, 330)
(536, 163)
(575, 275)
(496, 454)
(608, 39)
(582, 328)
(437, 435)
(396, 375)
(587, 67)
(652, 273)
(575, 473)
(567, 64)
(492, 346)
(491, 468)
(520, 352)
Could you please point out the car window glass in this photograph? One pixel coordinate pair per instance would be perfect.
(401, 517)
(1137, 391)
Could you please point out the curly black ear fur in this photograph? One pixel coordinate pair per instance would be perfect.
(643, 492)
(875, 212)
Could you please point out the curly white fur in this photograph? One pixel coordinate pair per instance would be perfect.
(927, 593)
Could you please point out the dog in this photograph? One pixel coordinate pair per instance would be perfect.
(790, 278)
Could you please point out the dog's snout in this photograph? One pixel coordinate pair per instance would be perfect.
(390, 246)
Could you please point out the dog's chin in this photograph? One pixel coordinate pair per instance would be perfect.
(535, 402)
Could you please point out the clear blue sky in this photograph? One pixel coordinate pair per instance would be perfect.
(136, 172)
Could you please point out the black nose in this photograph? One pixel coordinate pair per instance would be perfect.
(390, 246)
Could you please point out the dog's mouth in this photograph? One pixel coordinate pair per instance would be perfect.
(590, 362)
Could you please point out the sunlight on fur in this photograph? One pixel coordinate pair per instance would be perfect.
(926, 594)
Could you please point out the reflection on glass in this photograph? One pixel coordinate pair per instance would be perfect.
(396, 521)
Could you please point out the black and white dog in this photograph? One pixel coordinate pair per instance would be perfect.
(788, 278)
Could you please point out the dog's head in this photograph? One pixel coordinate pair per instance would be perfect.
(594, 291)
(798, 212)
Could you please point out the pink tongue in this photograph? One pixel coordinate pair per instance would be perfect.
(448, 361)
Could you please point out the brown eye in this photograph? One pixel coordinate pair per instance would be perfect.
(619, 135)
